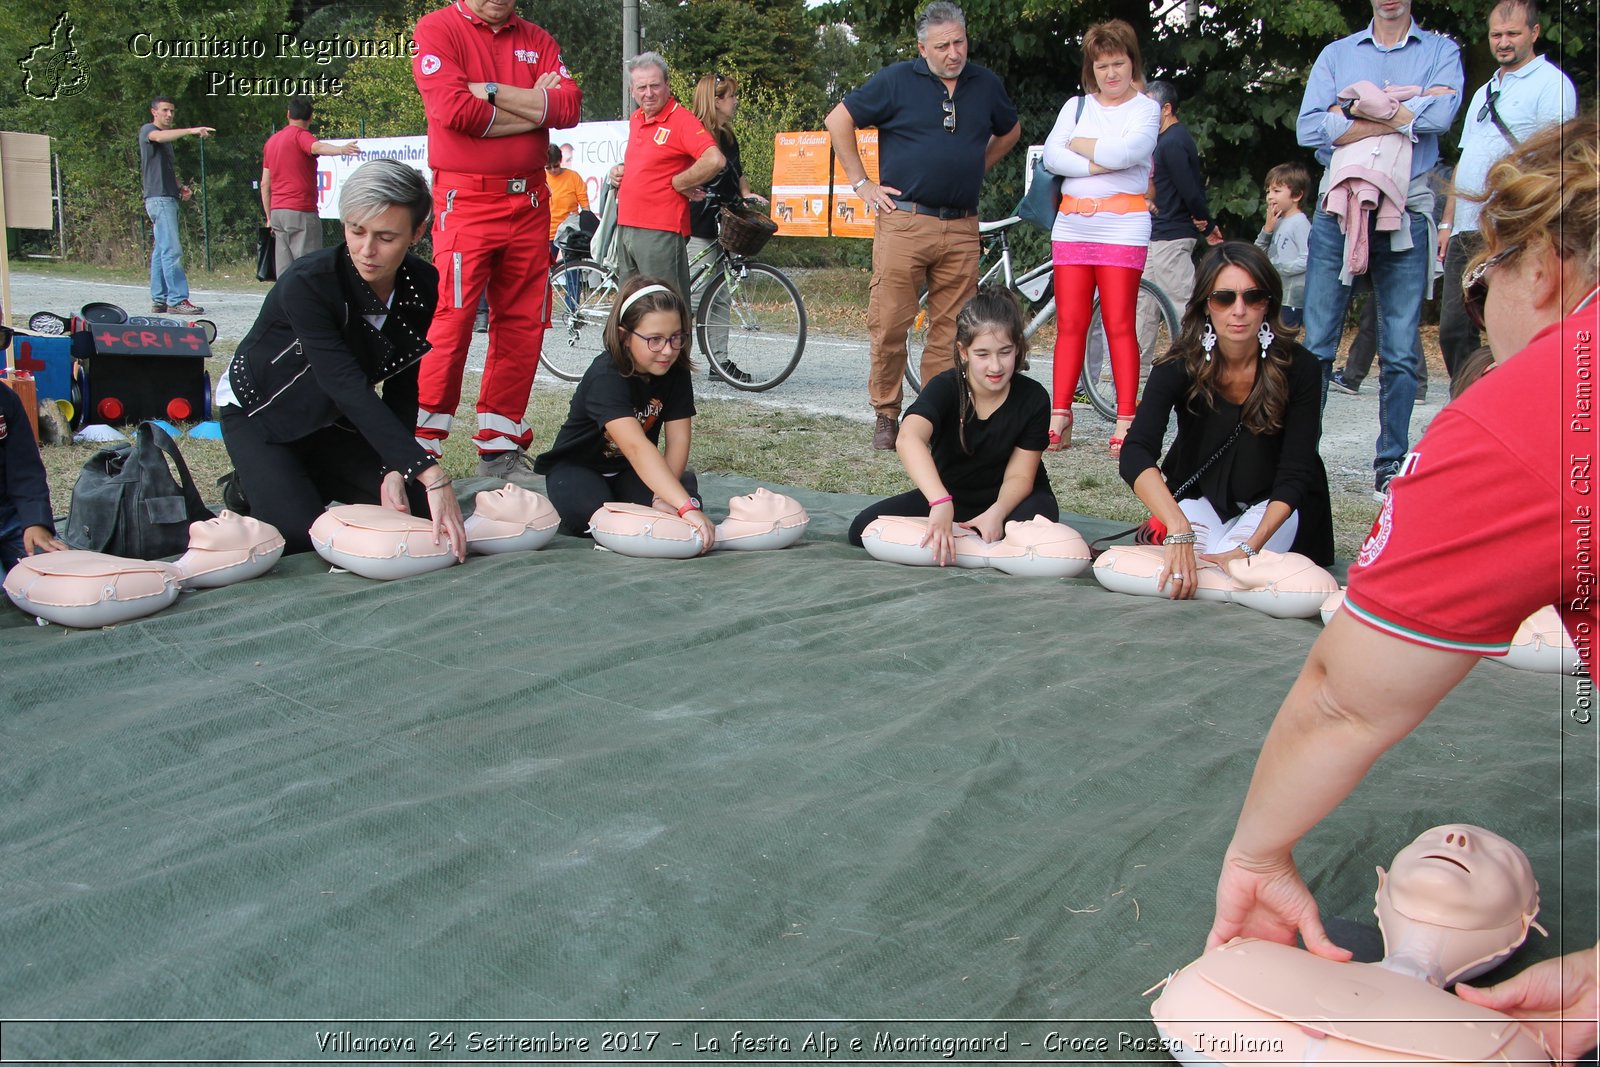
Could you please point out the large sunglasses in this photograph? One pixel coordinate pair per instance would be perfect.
(1475, 286)
(1223, 299)
(655, 342)
(949, 115)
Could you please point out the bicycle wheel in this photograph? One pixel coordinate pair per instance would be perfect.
(1158, 328)
(581, 295)
(751, 326)
(916, 341)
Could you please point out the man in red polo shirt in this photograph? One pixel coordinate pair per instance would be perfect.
(669, 160)
(492, 85)
(289, 183)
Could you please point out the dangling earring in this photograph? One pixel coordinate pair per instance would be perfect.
(1208, 340)
(1265, 336)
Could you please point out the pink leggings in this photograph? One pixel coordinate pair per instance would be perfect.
(1119, 300)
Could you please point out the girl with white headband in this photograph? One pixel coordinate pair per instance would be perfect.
(635, 393)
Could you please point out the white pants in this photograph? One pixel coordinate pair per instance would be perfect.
(1219, 536)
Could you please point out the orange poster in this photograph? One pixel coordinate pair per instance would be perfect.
(851, 215)
(800, 183)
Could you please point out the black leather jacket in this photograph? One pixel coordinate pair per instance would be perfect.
(311, 360)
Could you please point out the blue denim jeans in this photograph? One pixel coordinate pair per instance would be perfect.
(168, 284)
(1398, 281)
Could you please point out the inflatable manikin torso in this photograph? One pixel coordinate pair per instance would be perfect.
(89, 589)
(1036, 548)
(1285, 585)
(229, 548)
(512, 519)
(378, 542)
(759, 520)
(1457, 901)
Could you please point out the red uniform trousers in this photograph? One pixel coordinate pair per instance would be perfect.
(483, 235)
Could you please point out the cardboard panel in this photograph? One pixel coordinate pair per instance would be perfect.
(25, 170)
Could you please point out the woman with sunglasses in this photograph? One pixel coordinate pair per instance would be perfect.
(1248, 405)
(1102, 146)
(1501, 485)
(635, 393)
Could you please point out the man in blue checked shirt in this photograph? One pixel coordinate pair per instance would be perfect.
(1391, 51)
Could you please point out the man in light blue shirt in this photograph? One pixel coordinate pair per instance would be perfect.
(1392, 50)
(1526, 93)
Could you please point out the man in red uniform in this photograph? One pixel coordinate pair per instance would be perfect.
(669, 160)
(492, 85)
(289, 183)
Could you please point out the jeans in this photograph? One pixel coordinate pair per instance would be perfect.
(1398, 281)
(168, 284)
(1458, 337)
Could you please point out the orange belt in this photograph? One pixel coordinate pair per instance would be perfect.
(1115, 204)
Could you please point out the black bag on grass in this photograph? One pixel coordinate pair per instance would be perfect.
(127, 503)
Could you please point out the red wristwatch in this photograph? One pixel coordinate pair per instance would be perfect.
(692, 504)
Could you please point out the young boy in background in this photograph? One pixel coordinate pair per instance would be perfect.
(1285, 236)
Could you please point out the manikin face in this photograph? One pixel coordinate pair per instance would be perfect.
(1238, 323)
(229, 532)
(494, 12)
(945, 49)
(649, 88)
(1463, 877)
(660, 328)
(991, 360)
(1114, 74)
(164, 115)
(1511, 38)
(760, 504)
(378, 245)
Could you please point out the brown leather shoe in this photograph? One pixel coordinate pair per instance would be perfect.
(883, 437)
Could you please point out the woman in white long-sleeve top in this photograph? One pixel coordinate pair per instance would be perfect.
(1101, 145)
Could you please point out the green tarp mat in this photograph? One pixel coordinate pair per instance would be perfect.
(552, 796)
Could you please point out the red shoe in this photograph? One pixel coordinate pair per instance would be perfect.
(1062, 438)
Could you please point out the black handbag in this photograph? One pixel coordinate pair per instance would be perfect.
(127, 503)
(266, 255)
(1042, 202)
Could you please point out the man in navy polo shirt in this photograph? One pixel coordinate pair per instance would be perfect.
(942, 123)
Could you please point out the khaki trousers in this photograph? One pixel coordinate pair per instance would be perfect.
(908, 251)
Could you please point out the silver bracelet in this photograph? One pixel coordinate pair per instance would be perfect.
(1250, 553)
(1181, 539)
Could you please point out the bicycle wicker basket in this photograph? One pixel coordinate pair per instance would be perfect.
(742, 231)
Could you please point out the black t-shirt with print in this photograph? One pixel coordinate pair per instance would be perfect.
(1021, 421)
(605, 395)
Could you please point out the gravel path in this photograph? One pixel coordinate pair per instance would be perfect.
(831, 379)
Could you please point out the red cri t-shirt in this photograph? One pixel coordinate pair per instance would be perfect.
(293, 169)
(1493, 514)
(659, 149)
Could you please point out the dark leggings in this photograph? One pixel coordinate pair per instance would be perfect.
(915, 505)
(577, 492)
(290, 484)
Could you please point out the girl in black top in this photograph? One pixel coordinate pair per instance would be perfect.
(972, 440)
(1249, 414)
(301, 416)
(634, 393)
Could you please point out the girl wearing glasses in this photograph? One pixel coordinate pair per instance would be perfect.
(1248, 406)
(635, 393)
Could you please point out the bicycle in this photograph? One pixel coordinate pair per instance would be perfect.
(750, 324)
(1034, 286)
